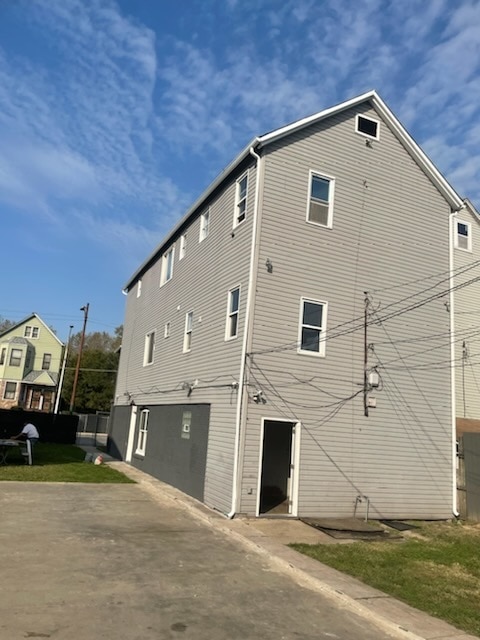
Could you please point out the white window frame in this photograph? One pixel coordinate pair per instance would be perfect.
(187, 338)
(323, 328)
(323, 176)
(19, 358)
(46, 360)
(231, 314)
(149, 349)
(166, 331)
(362, 133)
(168, 259)
(183, 246)
(239, 200)
(204, 225)
(469, 236)
(139, 288)
(31, 332)
(5, 397)
(142, 432)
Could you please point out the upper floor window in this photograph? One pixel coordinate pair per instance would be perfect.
(232, 313)
(16, 357)
(47, 361)
(241, 200)
(31, 332)
(139, 288)
(149, 349)
(167, 266)
(313, 322)
(187, 340)
(463, 235)
(183, 246)
(367, 127)
(142, 432)
(204, 225)
(167, 330)
(320, 205)
(2, 355)
(10, 391)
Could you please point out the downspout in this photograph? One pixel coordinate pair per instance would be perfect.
(452, 360)
(239, 417)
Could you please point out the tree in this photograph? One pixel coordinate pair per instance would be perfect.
(97, 375)
(7, 324)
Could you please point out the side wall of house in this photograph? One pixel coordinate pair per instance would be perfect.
(389, 238)
(209, 373)
(467, 315)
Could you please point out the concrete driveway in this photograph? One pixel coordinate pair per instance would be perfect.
(110, 562)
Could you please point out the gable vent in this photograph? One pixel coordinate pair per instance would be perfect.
(367, 127)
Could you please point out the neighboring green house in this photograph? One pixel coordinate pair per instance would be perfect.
(30, 355)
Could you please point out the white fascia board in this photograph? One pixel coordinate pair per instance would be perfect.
(193, 209)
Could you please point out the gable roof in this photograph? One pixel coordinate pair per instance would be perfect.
(264, 140)
(28, 319)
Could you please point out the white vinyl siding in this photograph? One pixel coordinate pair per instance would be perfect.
(167, 266)
(241, 193)
(187, 340)
(149, 351)
(142, 433)
(204, 225)
(313, 321)
(233, 306)
(320, 201)
(463, 235)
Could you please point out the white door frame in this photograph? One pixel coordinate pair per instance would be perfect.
(131, 433)
(295, 462)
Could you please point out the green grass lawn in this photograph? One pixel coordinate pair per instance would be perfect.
(57, 463)
(437, 569)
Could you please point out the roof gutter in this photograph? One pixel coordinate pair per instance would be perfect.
(242, 397)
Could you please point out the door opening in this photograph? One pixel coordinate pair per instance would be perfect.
(276, 486)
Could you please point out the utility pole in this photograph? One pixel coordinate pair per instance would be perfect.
(80, 349)
(62, 374)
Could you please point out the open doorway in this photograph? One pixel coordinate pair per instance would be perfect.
(276, 474)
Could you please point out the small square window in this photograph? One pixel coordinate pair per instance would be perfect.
(10, 391)
(31, 332)
(204, 225)
(463, 235)
(313, 321)
(320, 205)
(367, 127)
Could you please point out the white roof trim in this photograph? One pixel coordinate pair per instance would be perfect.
(28, 319)
(259, 142)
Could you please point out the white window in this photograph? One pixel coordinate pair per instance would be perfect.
(139, 288)
(142, 433)
(16, 357)
(241, 200)
(183, 246)
(320, 204)
(463, 235)
(167, 330)
(187, 340)
(204, 225)
(167, 266)
(31, 332)
(367, 127)
(232, 313)
(313, 323)
(10, 391)
(46, 362)
(149, 348)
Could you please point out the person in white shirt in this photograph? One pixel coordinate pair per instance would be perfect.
(29, 432)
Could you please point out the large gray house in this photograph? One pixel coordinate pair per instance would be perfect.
(274, 342)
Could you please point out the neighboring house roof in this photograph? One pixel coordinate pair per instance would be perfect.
(469, 205)
(41, 377)
(27, 319)
(262, 141)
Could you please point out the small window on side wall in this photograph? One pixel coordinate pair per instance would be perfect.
(167, 266)
(204, 225)
(313, 323)
(149, 351)
(187, 339)
(463, 235)
(241, 191)
(232, 314)
(320, 205)
(142, 432)
(367, 127)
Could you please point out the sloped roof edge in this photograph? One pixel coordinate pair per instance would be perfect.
(29, 317)
(259, 142)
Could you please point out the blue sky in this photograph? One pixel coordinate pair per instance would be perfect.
(114, 117)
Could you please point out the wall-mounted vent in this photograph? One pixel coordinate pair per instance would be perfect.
(367, 127)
